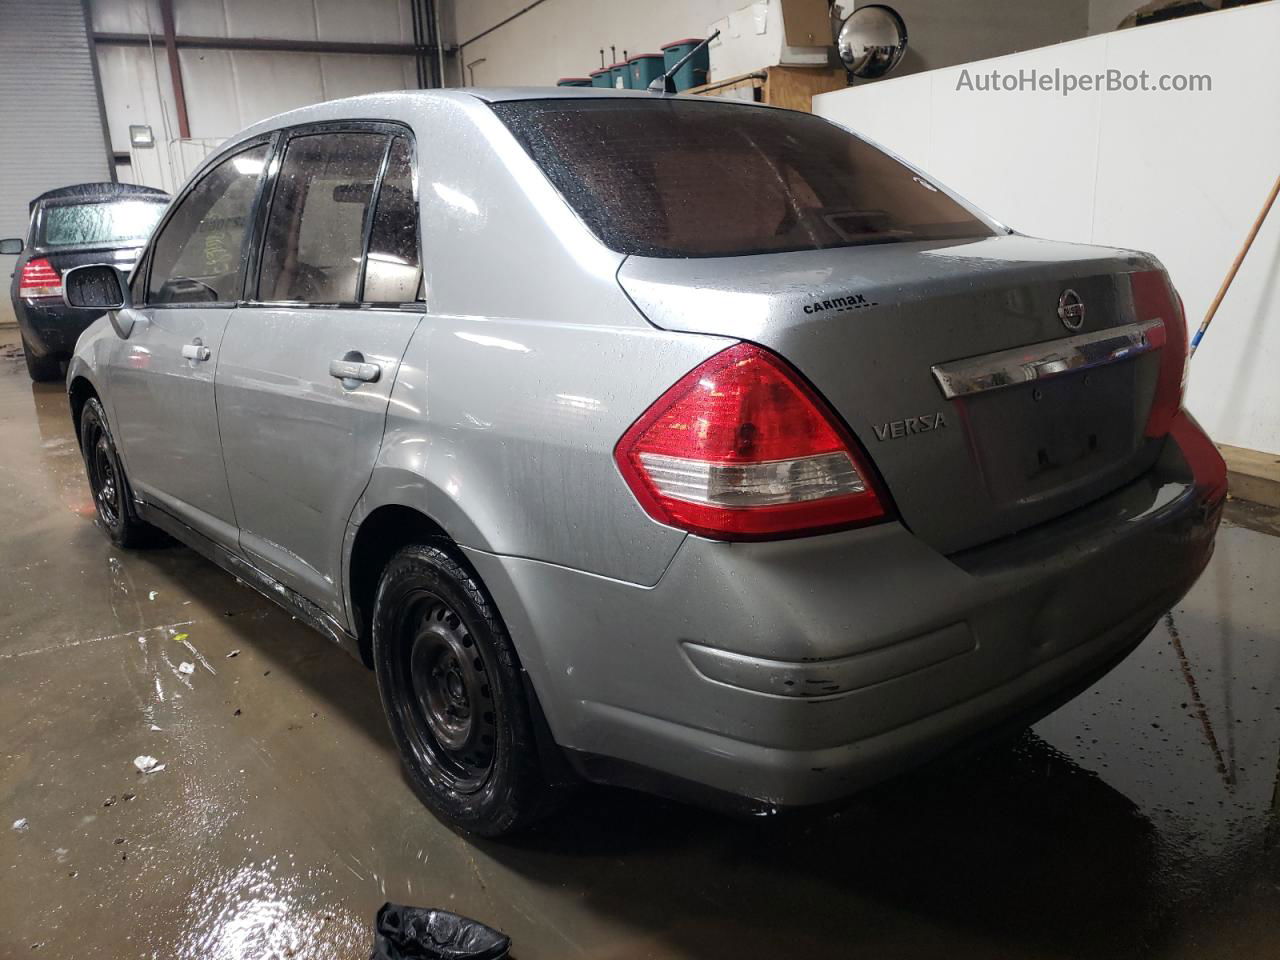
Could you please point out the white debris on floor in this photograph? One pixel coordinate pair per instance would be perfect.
(147, 764)
(187, 667)
(20, 824)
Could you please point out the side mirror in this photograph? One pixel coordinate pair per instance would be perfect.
(11, 246)
(100, 286)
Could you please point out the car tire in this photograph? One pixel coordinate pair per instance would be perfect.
(41, 369)
(112, 496)
(453, 691)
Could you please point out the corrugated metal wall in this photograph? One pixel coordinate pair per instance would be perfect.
(50, 120)
(226, 90)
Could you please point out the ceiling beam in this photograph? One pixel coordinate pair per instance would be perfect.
(266, 44)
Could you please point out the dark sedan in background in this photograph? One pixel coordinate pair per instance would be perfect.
(70, 226)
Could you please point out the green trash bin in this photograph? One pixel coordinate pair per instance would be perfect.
(602, 77)
(619, 76)
(644, 68)
(693, 73)
(574, 82)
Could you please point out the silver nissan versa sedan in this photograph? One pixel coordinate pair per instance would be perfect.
(669, 442)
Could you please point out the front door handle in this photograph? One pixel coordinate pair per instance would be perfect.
(353, 370)
(196, 350)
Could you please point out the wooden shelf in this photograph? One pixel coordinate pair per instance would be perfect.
(790, 87)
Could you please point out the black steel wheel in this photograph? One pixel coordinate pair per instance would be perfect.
(107, 481)
(454, 696)
(452, 724)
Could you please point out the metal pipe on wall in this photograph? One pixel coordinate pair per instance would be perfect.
(417, 41)
(435, 19)
(428, 41)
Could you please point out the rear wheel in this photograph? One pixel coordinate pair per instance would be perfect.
(41, 369)
(107, 481)
(454, 697)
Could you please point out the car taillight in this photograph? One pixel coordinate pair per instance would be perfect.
(1155, 299)
(741, 448)
(39, 279)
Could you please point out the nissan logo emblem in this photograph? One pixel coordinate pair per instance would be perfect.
(1071, 310)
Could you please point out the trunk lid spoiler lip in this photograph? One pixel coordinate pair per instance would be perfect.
(749, 296)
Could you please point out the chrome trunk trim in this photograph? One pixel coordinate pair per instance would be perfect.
(1041, 361)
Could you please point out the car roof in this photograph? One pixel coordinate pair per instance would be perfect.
(98, 191)
(367, 105)
(505, 94)
(405, 105)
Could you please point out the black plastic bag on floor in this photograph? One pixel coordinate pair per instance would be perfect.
(420, 933)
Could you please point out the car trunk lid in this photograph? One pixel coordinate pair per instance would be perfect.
(63, 259)
(904, 339)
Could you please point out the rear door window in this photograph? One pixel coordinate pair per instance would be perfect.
(393, 273)
(199, 255)
(315, 233)
(685, 178)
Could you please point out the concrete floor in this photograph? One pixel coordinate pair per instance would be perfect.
(1137, 821)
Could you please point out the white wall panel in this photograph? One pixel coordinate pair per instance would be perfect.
(364, 22)
(347, 75)
(1179, 174)
(966, 144)
(201, 18)
(1184, 176)
(1105, 15)
(270, 83)
(285, 19)
(135, 90)
(213, 97)
(125, 16)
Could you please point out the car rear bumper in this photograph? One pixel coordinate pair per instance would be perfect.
(797, 672)
(50, 327)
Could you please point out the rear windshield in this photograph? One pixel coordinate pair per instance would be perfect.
(110, 221)
(683, 178)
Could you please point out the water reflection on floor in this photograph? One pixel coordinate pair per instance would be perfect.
(1139, 820)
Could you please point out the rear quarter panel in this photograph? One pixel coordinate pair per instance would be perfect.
(528, 366)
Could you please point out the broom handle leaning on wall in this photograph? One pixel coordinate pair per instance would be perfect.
(1235, 267)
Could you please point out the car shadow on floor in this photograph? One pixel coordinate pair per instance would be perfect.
(1016, 847)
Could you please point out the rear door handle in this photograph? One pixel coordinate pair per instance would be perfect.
(196, 350)
(353, 370)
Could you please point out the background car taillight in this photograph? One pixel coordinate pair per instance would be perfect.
(1154, 298)
(39, 279)
(741, 448)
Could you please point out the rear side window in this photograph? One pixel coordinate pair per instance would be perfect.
(316, 229)
(198, 256)
(681, 178)
(393, 273)
(111, 221)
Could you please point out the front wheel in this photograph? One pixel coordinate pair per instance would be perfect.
(453, 694)
(107, 480)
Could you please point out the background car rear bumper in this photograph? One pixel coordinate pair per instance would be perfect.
(51, 327)
(798, 671)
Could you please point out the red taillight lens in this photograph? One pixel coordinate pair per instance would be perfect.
(39, 279)
(741, 448)
(1155, 299)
